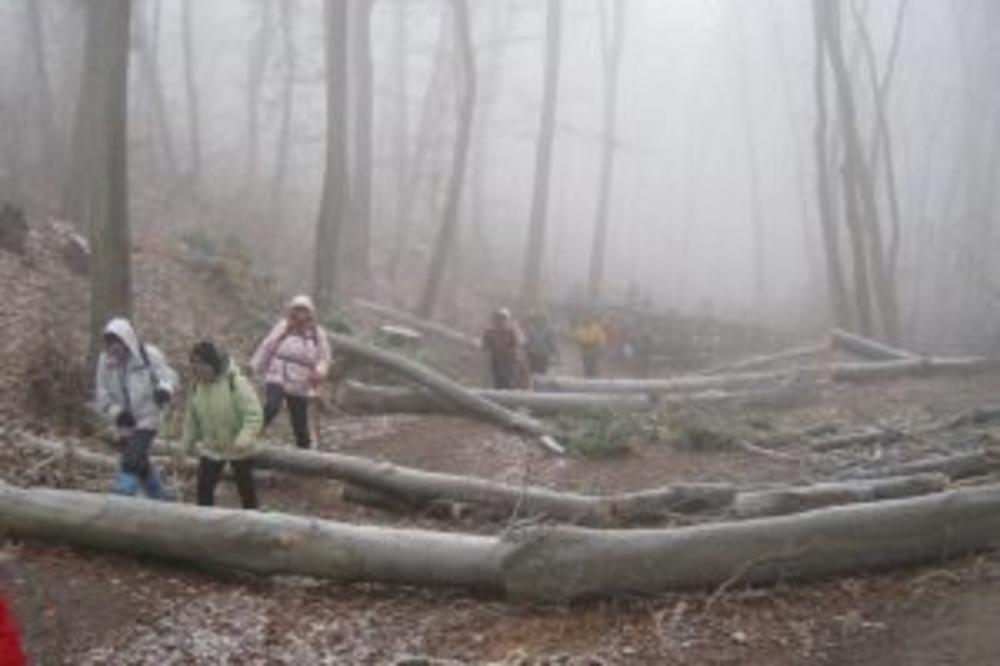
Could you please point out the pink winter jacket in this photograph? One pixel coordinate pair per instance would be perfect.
(294, 360)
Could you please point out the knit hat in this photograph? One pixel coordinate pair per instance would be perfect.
(211, 355)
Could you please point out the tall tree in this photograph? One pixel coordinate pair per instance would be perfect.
(358, 244)
(146, 39)
(334, 204)
(466, 109)
(99, 143)
(611, 51)
(191, 92)
(284, 143)
(260, 52)
(531, 283)
(51, 142)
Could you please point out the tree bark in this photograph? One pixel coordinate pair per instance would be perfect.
(867, 348)
(611, 53)
(100, 157)
(531, 282)
(450, 216)
(540, 562)
(334, 205)
(422, 325)
(443, 386)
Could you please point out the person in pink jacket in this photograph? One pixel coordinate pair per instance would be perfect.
(293, 359)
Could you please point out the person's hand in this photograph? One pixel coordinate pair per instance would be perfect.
(161, 397)
(125, 419)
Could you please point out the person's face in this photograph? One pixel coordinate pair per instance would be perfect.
(116, 349)
(300, 317)
(203, 372)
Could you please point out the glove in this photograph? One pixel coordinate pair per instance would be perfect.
(161, 397)
(125, 419)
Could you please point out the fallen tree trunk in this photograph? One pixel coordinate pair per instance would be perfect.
(796, 499)
(757, 362)
(809, 375)
(539, 562)
(368, 397)
(263, 543)
(447, 388)
(422, 325)
(959, 466)
(867, 348)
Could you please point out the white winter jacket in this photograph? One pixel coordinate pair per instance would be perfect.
(130, 386)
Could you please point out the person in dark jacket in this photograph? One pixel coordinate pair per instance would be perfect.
(503, 341)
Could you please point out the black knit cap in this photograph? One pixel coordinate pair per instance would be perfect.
(210, 354)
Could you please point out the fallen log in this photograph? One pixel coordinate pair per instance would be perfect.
(866, 347)
(453, 391)
(681, 385)
(757, 362)
(367, 397)
(959, 466)
(796, 499)
(534, 562)
(423, 325)
(563, 563)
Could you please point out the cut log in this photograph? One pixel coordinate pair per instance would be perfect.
(915, 367)
(682, 384)
(447, 388)
(955, 467)
(422, 325)
(783, 501)
(367, 397)
(535, 562)
(867, 348)
(563, 563)
(263, 543)
(418, 489)
(757, 362)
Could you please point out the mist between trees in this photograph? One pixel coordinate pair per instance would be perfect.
(798, 164)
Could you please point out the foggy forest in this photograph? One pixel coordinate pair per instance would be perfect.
(635, 331)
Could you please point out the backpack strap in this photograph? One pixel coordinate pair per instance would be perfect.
(154, 380)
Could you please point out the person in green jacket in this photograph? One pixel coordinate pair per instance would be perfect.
(222, 425)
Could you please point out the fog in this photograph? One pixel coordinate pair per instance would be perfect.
(714, 204)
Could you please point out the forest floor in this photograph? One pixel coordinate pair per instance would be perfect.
(79, 606)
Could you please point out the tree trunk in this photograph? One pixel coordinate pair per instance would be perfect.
(422, 325)
(540, 562)
(100, 155)
(450, 215)
(334, 204)
(836, 283)
(612, 64)
(358, 236)
(867, 348)
(51, 141)
(531, 283)
(284, 145)
(260, 51)
(191, 92)
(442, 385)
(149, 66)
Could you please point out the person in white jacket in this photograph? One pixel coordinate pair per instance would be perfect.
(133, 388)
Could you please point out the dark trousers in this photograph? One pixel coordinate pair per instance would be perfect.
(209, 473)
(503, 373)
(298, 412)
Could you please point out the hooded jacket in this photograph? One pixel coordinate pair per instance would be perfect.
(130, 385)
(224, 417)
(295, 360)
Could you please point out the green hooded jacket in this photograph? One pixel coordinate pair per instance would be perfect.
(224, 418)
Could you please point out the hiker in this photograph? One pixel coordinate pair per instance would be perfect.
(134, 386)
(293, 359)
(504, 342)
(541, 345)
(222, 423)
(591, 339)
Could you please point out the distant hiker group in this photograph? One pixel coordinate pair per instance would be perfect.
(223, 416)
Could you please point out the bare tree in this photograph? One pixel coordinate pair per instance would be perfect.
(531, 282)
(191, 91)
(36, 41)
(100, 153)
(611, 55)
(260, 52)
(284, 143)
(334, 204)
(145, 39)
(466, 109)
(358, 245)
